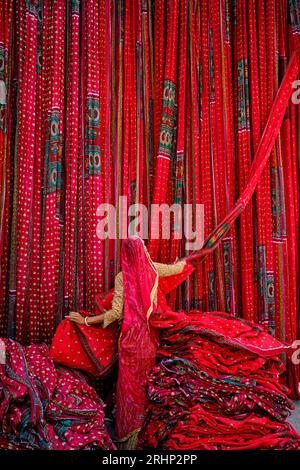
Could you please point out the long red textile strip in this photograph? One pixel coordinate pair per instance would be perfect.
(217, 154)
(267, 88)
(25, 158)
(230, 250)
(178, 171)
(244, 159)
(167, 120)
(72, 167)
(93, 184)
(53, 107)
(6, 129)
(261, 157)
(205, 149)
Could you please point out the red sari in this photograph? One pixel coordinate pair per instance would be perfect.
(138, 342)
(144, 293)
(94, 349)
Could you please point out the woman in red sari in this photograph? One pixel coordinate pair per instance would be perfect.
(139, 300)
(138, 291)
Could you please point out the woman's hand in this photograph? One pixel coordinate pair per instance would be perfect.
(76, 317)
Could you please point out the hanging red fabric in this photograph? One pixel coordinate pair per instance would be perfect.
(261, 157)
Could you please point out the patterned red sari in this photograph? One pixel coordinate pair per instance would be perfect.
(90, 349)
(139, 341)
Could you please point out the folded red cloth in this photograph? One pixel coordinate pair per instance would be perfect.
(216, 386)
(47, 407)
(92, 349)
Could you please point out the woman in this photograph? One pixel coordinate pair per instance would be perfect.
(136, 246)
(223, 369)
(138, 291)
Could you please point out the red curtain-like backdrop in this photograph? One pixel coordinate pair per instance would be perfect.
(161, 101)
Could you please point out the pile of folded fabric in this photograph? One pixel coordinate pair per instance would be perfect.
(217, 386)
(44, 407)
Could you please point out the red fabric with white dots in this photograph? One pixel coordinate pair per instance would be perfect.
(92, 349)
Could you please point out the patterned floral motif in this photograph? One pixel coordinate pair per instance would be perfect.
(39, 60)
(262, 269)
(34, 7)
(266, 289)
(228, 273)
(270, 300)
(39, 39)
(212, 295)
(278, 205)
(2, 61)
(212, 93)
(227, 20)
(294, 7)
(243, 96)
(168, 119)
(133, 191)
(179, 178)
(93, 113)
(200, 77)
(144, 6)
(92, 147)
(2, 117)
(234, 12)
(75, 7)
(53, 155)
(2, 77)
(93, 152)
(196, 304)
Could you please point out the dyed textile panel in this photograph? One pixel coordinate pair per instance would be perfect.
(90, 349)
(42, 407)
(207, 395)
(157, 101)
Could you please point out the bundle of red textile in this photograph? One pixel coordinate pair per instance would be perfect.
(43, 407)
(210, 390)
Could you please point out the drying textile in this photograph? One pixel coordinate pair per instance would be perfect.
(92, 349)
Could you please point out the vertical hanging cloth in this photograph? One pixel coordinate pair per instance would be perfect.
(161, 101)
(261, 157)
